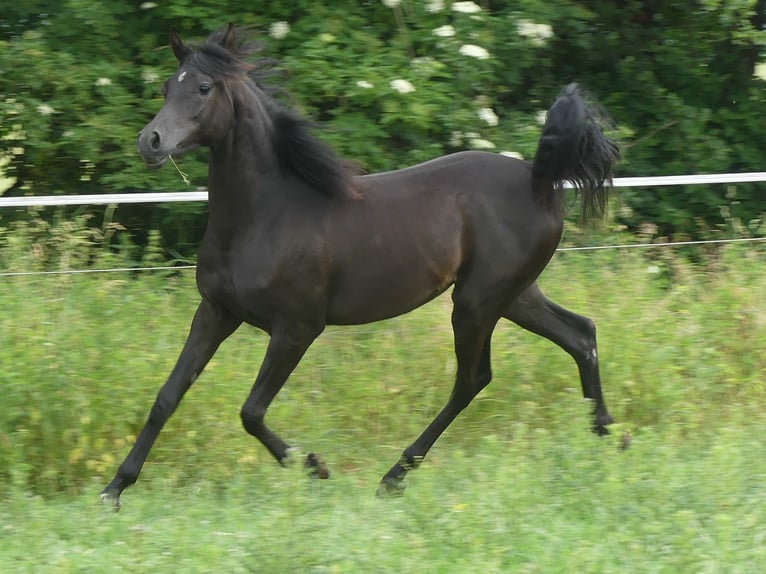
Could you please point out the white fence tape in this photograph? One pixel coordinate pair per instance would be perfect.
(103, 199)
(168, 197)
(704, 178)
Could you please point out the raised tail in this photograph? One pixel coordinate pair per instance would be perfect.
(573, 148)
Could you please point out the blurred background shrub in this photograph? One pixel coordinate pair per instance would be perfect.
(396, 82)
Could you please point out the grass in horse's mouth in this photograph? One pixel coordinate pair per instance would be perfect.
(183, 174)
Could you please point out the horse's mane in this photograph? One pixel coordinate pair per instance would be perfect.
(297, 150)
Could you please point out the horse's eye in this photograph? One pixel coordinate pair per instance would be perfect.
(204, 89)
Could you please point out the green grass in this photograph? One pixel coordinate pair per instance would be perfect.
(517, 484)
(548, 501)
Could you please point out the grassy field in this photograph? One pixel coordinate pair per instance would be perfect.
(517, 484)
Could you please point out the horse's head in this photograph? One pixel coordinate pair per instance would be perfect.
(218, 98)
(198, 108)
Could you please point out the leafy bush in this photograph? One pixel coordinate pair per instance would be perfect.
(394, 83)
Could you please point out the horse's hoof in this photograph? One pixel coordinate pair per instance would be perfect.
(317, 467)
(390, 487)
(605, 420)
(600, 424)
(291, 455)
(111, 499)
(600, 430)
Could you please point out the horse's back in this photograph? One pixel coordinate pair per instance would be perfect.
(492, 194)
(460, 172)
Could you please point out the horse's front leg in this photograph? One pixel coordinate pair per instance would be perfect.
(210, 326)
(286, 348)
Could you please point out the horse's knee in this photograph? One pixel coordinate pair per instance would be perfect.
(252, 421)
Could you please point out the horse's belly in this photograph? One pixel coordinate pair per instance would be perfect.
(380, 285)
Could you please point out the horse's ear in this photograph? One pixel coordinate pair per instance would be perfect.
(229, 40)
(180, 49)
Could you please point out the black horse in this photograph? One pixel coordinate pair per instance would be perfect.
(296, 240)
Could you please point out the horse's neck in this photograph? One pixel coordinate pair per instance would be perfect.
(241, 164)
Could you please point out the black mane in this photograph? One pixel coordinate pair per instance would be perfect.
(298, 151)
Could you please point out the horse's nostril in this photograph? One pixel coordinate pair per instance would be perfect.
(155, 141)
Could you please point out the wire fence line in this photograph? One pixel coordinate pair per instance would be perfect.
(663, 244)
(559, 250)
(201, 195)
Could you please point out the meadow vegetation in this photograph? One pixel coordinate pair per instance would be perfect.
(518, 483)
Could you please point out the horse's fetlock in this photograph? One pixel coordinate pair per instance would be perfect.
(390, 487)
(601, 422)
(410, 462)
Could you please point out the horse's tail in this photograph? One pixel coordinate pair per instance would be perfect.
(573, 148)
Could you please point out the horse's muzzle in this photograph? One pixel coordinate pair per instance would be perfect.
(150, 147)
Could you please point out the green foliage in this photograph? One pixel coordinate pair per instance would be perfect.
(682, 77)
(83, 357)
(80, 78)
(35, 244)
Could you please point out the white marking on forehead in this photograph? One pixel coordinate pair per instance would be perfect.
(181, 76)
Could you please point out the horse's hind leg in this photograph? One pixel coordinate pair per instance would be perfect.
(211, 325)
(472, 349)
(573, 333)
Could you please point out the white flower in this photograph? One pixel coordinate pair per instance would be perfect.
(279, 30)
(652, 270)
(541, 116)
(150, 76)
(423, 61)
(538, 33)
(466, 7)
(445, 31)
(45, 110)
(425, 66)
(474, 51)
(391, 3)
(480, 143)
(456, 139)
(513, 154)
(364, 84)
(760, 70)
(435, 6)
(101, 82)
(148, 5)
(488, 115)
(402, 86)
